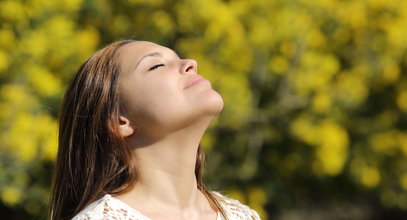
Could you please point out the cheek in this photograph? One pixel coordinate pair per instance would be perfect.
(157, 102)
(161, 94)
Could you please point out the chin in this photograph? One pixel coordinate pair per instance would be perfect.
(215, 103)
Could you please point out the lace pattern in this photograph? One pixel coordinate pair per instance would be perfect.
(109, 208)
(234, 210)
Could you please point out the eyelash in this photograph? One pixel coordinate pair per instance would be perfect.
(156, 66)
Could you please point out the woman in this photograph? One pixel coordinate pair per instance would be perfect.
(130, 126)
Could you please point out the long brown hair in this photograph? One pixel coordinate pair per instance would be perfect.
(93, 159)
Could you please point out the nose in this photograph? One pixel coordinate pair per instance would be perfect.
(189, 66)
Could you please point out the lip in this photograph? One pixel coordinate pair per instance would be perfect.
(194, 80)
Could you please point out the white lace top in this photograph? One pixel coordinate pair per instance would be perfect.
(108, 208)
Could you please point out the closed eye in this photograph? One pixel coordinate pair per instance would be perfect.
(156, 66)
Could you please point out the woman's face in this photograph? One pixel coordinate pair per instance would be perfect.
(160, 92)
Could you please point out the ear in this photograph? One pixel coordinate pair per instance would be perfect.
(125, 128)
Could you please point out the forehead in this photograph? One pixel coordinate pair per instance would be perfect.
(130, 54)
(139, 47)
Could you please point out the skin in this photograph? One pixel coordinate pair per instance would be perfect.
(164, 122)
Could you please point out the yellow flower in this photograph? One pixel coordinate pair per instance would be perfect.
(4, 61)
(7, 38)
(279, 64)
(321, 102)
(11, 195)
(257, 199)
(402, 139)
(391, 72)
(22, 137)
(385, 142)
(303, 128)
(402, 100)
(71, 5)
(12, 10)
(163, 21)
(42, 81)
(351, 87)
(370, 177)
(87, 40)
(237, 194)
(48, 138)
(331, 142)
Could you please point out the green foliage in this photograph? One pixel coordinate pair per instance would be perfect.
(315, 92)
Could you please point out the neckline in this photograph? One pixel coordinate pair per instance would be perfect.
(108, 196)
(127, 206)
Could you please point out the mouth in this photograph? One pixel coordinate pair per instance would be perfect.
(194, 80)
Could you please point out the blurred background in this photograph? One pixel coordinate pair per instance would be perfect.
(315, 117)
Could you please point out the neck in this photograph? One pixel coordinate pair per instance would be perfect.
(166, 168)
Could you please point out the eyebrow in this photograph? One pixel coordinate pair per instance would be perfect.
(153, 54)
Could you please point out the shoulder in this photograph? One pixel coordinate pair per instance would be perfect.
(108, 208)
(234, 209)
